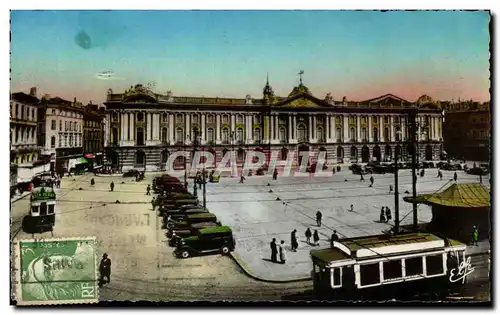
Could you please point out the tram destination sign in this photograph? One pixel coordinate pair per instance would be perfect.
(44, 195)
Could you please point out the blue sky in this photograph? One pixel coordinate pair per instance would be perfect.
(357, 54)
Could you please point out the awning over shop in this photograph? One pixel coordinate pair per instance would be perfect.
(89, 156)
(457, 195)
(81, 161)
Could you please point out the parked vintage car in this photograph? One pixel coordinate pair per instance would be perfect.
(131, 173)
(478, 171)
(175, 215)
(212, 240)
(189, 219)
(191, 230)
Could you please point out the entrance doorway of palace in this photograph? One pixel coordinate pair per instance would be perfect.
(324, 154)
(388, 153)
(376, 153)
(112, 157)
(428, 152)
(365, 154)
(164, 160)
(354, 154)
(340, 154)
(303, 148)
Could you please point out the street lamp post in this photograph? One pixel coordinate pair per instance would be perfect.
(195, 144)
(396, 188)
(413, 135)
(185, 163)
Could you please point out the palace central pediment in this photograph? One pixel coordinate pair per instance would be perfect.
(302, 102)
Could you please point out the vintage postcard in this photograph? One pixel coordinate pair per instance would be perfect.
(250, 156)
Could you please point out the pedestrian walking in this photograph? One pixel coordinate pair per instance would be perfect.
(282, 251)
(371, 181)
(475, 236)
(391, 188)
(319, 216)
(92, 182)
(334, 238)
(153, 203)
(308, 236)
(242, 178)
(481, 178)
(294, 242)
(112, 186)
(148, 190)
(388, 215)
(275, 174)
(382, 215)
(440, 175)
(455, 176)
(274, 251)
(316, 238)
(351, 208)
(105, 269)
(362, 179)
(333, 171)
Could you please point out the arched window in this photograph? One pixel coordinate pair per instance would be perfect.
(179, 134)
(17, 111)
(301, 133)
(256, 134)
(178, 118)
(352, 134)
(241, 155)
(53, 141)
(139, 136)
(239, 119)
(210, 135)
(164, 117)
(164, 135)
(140, 116)
(354, 152)
(225, 135)
(70, 140)
(282, 135)
(239, 134)
(210, 119)
(375, 134)
(339, 135)
(225, 119)
(386, 134)
(320, 135)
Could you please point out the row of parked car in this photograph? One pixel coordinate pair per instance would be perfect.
(191, 228)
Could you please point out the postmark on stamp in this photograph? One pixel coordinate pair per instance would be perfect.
(56, 271)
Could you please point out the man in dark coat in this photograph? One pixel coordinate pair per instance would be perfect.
(371, 181)
(455, 176)
(92, 182)
(105, 269)
(112, 186)
(316, 238)
(382, 215)
(275, 174)
(388, 215)
(274, 251)
(294, 242)
(308, 235)
(148, 190)
(334, 238)
(319, 216)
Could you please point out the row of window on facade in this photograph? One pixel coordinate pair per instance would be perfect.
(92, 123)
(22, 112)
(25, 158)
(67, 113)
(21, 132)
(66, 141)
(68, 125)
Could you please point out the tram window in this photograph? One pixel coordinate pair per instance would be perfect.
(51, 209)
(434, 264)
(336, 277)
(393, 269)
(370, 274)
(414, 266)
(34, 209)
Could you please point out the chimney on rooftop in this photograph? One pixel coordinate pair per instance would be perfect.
(33, 91)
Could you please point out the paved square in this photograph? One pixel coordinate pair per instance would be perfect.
(256, 216)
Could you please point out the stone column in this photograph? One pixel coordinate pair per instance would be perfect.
(187, 131)
(127, 127)
(334, 129)
(419, 129)
(370, 131)
(203, 128)
(272, 128)
(277, 124)
(131, 122)
(310, 128)
(403, 128)
(290, 135)
(122, 128)
(392, 129)
(346, 129)
(328, 131)
(358, 129)
(217, 128)
(233, 123)
(171, 128)
(315, 129)
(380, 128)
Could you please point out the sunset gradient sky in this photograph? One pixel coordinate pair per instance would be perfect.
(357, 54)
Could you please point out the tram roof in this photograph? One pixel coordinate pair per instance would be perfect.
(472, 195)
(376, 245)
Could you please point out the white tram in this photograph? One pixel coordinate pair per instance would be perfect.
(42, 213)
(383, 267)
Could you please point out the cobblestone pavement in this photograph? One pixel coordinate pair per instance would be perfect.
(143, 267)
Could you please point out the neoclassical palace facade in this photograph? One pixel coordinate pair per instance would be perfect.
(143, 128)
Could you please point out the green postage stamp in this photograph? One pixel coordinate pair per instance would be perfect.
(56, 271)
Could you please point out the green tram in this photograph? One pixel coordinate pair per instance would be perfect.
(41, 217)
(382, 267)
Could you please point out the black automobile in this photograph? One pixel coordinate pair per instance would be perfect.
(477, 171)
(172, 235)
(131, 173)
(190, 219)
(181, 216)
(212, 240)
(164, 208)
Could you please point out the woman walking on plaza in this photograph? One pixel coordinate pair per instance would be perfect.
(308, 236)
(316, 238)
(282, 252)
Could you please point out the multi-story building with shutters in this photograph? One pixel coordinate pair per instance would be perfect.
(143, 128)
